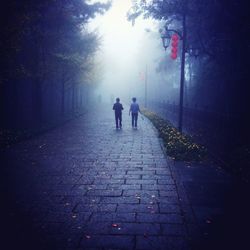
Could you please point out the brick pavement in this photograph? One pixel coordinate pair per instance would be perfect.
(86, 185)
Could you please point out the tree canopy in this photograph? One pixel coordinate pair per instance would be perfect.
(218, 29)
(45, 43)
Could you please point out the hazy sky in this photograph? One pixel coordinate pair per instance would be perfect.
(121, 49)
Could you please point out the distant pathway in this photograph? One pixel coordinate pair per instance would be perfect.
(87, 186)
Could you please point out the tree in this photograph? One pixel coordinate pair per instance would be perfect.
(217, 29)
(44, 42)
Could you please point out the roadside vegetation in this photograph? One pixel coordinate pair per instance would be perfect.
(178, 145)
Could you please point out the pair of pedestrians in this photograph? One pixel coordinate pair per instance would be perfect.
(134, 109)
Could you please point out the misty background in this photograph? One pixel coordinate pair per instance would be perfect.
(59, 58)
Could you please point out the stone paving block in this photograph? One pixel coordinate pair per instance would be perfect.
(108, 241)
(127, 176)
(109, 181)
(87, 180)
(113, 217)
(126, 167)
(120, 200)
(161, 243)
(116, 171)
(159, 218)
(95, 208)
(124, 186)
(136, 229)
(151, 208)
(107, 192)
(103, 177)
(141, 182)
(157, 177)
(80, 188)
(159, 187)
(142, 172)
(154, 199)
(140, 193)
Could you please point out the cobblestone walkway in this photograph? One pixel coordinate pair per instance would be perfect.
(86, 185)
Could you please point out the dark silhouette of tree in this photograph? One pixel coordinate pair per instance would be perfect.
(219, 93)
(218, 29)
(45, 47)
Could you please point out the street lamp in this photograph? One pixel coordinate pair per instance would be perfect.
(166, 41)
(166, 37)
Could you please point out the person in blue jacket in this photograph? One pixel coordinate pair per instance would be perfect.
(134, 109)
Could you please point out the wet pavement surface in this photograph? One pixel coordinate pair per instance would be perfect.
(86, 185)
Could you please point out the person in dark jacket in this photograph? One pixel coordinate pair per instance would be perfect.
(117, 107)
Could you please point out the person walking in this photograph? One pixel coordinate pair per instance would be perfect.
(134, 109)
(117, 107)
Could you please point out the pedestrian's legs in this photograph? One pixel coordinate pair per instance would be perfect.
(133, 119)
(116, 120)
(120, 120)
(136, 118)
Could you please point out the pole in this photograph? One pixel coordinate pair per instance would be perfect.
(146, 85)
(182, 79)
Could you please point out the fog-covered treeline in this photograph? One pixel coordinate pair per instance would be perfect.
(218, 29)
(47, 59)
(216, 88)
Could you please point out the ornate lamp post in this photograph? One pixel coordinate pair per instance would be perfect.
(166, 37)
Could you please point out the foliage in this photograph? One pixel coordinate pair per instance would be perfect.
(218, 29)
(34, 31)
(178, 146)
(45, 43)
(212, 26)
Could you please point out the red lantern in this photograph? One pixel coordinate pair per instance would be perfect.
(174, 45)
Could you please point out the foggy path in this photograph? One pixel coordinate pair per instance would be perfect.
(87, 185)
(71, 180)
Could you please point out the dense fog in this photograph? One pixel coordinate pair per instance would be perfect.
(129, 57)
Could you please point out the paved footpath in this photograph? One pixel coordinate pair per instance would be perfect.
(86, 185)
